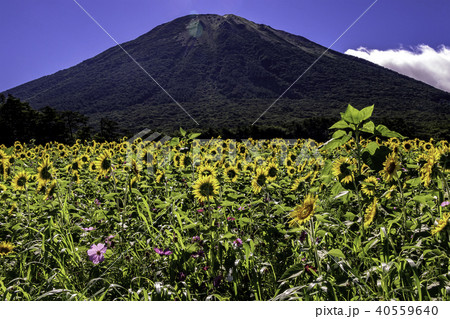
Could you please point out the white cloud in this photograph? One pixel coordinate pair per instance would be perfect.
(422, 63)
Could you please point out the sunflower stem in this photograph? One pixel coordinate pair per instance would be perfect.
(403, 204)
(314, 245)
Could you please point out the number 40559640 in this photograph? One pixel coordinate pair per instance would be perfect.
(407, 310)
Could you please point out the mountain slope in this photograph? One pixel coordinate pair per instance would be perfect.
(225, 71)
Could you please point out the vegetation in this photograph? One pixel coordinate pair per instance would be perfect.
(361, 217)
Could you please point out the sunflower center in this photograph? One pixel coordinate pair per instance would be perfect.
(21, 181)
(45, 173)
(261, 180)
(344, 168)
(206, 189)
(272, 172)
(231, 174)
(391, 168)
(307, 210)
(106, 164)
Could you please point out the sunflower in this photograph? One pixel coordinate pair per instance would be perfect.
(134, 182)
(440, 225)
(205, 188)
(259, 180)
(185, 161)
(272, 171)
(370, 213)
(427, 146)
(6, 248)
(3, 155)
(104, 163)
(390, 192)
(296, 184)
(84, 159)
(391, 166)
(44, 173)
(291, 171)
(342, 169)
(426, 171)
(231, 173)
(20, 181)
(75, 166)
(369, 185)
(18, 147)
(30, 154)
(242, 149)
(22, 156)
(407, 146)
(76, 177)
(207, 170)
(302, 213)
(93, 167)
(160, 177)
(4, 169)
(51, 189)
(136, 167)
(250, 167)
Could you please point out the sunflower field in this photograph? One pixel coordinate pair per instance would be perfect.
(361, 217)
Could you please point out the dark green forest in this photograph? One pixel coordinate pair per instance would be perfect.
(20, 122)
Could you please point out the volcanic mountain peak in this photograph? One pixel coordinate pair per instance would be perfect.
(225, 71)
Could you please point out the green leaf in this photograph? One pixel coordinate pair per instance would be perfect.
(194, 135)
(423, 199)
(338, 134)
(368, 127)
(174, 141)
(340, 125)
(352, 115)
(227, 203)
(366, 113)
(415, 182)
(292, 272)
(183, 132)
(384, 131)
(336, 253)
(335, 143)
(372, 147)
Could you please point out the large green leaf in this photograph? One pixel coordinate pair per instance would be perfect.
(366, 113)
(384, 131)
(336, 253)
(292, 272)
(340, 125)
(338, 134)
(372, 147)
(368, 127)
(352, 115)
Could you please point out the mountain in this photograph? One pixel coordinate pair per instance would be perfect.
(225, 71)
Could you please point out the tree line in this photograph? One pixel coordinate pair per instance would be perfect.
(20, 122)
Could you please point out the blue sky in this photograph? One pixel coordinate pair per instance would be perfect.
(41, 37)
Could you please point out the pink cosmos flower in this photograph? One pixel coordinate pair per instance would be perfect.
(88, 229)
(96, 253)
(108, 240)
(238, 242)
(446, 203)
(162, 252)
